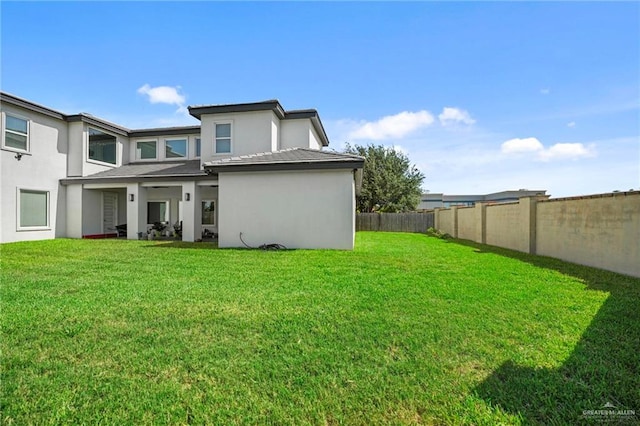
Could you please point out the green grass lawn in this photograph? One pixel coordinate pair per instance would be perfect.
(406, 329)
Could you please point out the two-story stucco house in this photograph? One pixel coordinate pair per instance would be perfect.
(252, 169)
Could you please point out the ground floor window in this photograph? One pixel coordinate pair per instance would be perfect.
(208, 212)
(33, 209)
(157, 211)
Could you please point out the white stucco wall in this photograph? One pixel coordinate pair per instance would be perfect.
(275, 133)
(299, 209)
(91, 212)
(251, 132)
(40, 170)
(295, 133)
(76, 149)
(314, 139)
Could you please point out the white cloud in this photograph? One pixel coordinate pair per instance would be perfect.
(545, 91)
(517, 145)
(392, 126)
(567, 151)
(559, 151)
(454, 115)
(571, 124)
(163, 95)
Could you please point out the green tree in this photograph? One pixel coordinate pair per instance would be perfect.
(390, 183)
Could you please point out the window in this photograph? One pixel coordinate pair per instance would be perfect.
(198, 146)
(175, 148)
(157, 211)
(102, 146)
(208, 213)
(146, 150)
(16, 133)
(223, 138)
(33, 209)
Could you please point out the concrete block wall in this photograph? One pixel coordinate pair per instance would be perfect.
(599, 230)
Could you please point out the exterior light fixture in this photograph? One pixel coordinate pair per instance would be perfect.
(131, 197)
(187, 196)
(18, 156)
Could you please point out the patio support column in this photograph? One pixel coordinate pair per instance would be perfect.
(191, 212)
(136, 210)
(74, 211)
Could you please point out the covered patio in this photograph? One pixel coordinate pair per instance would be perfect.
(170, 197)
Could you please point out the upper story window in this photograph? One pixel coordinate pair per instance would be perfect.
(147, 150)
(16, 133)
(175, 148)
(223, 138)
(102, 146)
(198, 147)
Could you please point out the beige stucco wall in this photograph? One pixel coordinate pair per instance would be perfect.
(40, 169)
(299, 209)
(603, 232)
(506, 227)
(467, 223)
(444, 221)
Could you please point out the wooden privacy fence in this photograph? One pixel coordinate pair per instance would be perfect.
(395, 222)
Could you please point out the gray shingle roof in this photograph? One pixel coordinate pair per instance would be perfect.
(145, 171)
(288, 159)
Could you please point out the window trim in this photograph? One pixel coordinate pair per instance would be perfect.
(138, 157)
(215, 137)
(102, 163)
(19, 226)
(186, 156)
(5, 130)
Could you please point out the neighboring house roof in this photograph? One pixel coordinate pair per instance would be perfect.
(270, 105)
(139, 172)
(288, 159)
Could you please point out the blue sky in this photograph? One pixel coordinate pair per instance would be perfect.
(482, 97)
